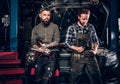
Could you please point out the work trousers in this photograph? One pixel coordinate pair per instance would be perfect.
(44, 68)
(85, 64)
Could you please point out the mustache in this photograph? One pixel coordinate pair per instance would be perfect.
(45, 23)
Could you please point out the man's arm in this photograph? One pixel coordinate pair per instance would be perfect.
(52, 44)
(33, 38)
(95, 48)
(56, 38)
(78, 49)
(95, 41)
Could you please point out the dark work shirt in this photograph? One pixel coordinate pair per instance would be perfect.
(46, 33)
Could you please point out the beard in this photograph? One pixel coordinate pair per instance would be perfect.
(45, 23)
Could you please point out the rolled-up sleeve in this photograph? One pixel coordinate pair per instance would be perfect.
(56, 34)
(94, 36)
(33, 37)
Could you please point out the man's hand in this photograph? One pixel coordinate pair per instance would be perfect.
(35, 46)
(93, 51)
(95, 48)
(78, 49)
(42, 49)
(38, 49)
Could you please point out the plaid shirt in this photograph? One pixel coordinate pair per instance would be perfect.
(71, 33)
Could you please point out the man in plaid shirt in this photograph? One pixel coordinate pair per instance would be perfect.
(81, 37)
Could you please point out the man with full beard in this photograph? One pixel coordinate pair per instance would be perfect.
(45, 35)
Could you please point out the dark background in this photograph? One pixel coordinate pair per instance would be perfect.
(27, 19)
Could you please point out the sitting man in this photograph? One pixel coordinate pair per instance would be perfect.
(44, 36)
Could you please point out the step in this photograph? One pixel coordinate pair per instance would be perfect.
(8, 55)
(9, 62)
(14, 81)
(18, 81)
(12, 71)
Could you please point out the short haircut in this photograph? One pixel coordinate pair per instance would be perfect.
(83, 11)
(44, 9)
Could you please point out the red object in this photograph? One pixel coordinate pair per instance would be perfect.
(8, 55)
(57, 72)
(9, 62)
(12, 82)
(33, 71)
(9, 66)
(11, 71)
